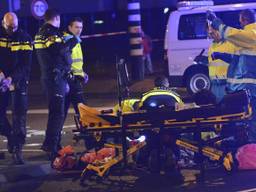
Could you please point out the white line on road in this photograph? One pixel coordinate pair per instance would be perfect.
(33, 144)
(24, 150)
(248, 190)
(45, 111)
(69, 126)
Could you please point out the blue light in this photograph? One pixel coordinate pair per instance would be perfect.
(152, 104)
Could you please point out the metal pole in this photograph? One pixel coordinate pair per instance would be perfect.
(136, 50)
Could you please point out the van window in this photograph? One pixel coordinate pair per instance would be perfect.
(193, 26)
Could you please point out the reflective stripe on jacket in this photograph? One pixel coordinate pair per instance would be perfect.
(160, 91)
(218, 68)
(242, 70)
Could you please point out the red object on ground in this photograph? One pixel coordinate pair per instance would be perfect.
(99, 155)
(66, 160)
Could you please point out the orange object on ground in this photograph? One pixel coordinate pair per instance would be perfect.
(67, 159)
(99, 155)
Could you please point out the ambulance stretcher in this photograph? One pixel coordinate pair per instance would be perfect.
(230, 115)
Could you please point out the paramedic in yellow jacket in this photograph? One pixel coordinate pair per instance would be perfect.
(242, 69)
(75, 94)
(161, 96)
(218, 68)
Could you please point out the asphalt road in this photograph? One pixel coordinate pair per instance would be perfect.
(141, 180)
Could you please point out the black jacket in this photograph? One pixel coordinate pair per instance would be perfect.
(53, 52)
(15, 55)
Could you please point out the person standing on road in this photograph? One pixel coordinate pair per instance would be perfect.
(53, 51)
(217, 67)
(147, 49)
(15, 64)
(242, 70)
(76, 92)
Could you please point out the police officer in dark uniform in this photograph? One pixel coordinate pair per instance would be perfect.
(54, 56)
(15, 64)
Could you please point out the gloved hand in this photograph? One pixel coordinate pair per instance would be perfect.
(67, 88)
(67, 37)
(213, 20)
(222, 56)
(86, 78)
(210, 16)
(5, 84)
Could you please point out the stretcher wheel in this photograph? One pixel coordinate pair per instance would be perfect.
(153, 161)
(200, 177)
(85, 175)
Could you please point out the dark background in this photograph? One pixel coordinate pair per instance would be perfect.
(101, 53)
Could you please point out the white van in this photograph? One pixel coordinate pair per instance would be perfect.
(186, 38)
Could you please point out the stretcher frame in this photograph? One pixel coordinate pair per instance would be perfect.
(141, 121)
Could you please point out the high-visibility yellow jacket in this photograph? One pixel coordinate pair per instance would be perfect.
(157, 94)
(242, 70)
(126, 105)
(218, 68)
(77, 60)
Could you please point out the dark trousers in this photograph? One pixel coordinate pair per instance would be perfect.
(55, 89)
(75, 95)
(252, 123)
(18, 100)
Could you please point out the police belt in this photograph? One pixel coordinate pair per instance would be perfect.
(63, 73)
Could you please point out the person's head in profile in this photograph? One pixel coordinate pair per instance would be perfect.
(204, 97)
(161, 81)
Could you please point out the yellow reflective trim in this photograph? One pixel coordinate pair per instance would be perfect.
(239, 81)
(77, 71)
(39, 46)
(3, 44)
(45, 43)
(3, 39)
(21, 48)
(159, 92)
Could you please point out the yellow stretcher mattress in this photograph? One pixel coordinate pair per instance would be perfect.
(233, 108)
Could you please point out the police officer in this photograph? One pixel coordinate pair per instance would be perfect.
(242, 71)
(75, 94)
(54, 56)
(15, 63)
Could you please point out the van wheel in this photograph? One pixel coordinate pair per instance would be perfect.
(197, 81)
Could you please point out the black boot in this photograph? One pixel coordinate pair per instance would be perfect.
(17, 155)
(10, 144)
